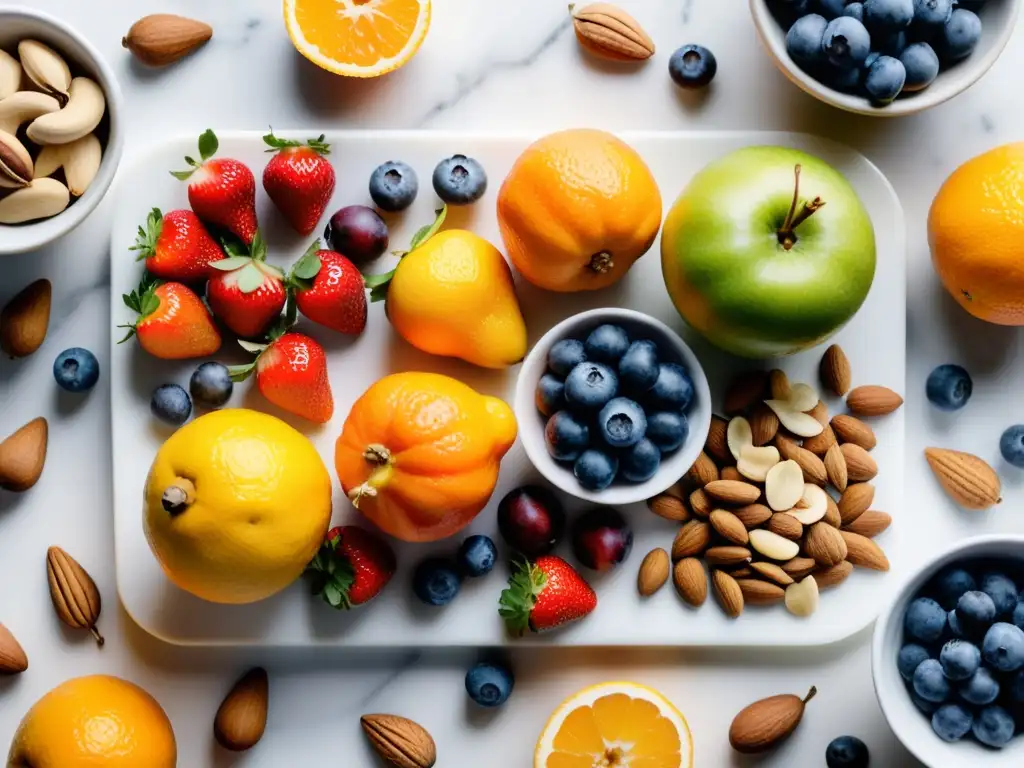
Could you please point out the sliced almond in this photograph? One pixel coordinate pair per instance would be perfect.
(802, 598)
(835, 468)
(834, 576)
(729, 527)
(727, 556)
(755, 462)
(717, 446)
(669, 507)
(778, 384)
(739, 436)
(860, 465)
(802, 397)
(744, 391)
(850, 429)
(691, 581)
(728, 593)
(797, 422)
(703, 471)
(758, 592)
(772, 572)
(773, 546)
(786, 526)
(733, 491)
(691, 540)
(784, 486)
(700, 504)
(855, 501)
(812, 505)
(799, 567)
(753, 515)
(764, 424)
(870, 524)
(863, 552)
(825, 545)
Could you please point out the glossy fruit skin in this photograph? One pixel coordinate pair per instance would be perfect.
(846, 42)
(300, 182)
(565, 355)
(854, 11)
(600, 194)
(544, 595)
(621, 423)
(994, 727)
(884, 80)
(1011, 445)
(921, 64)
(668, 430)
(930, 683)
(673, 389)
(953, 628)
(976, 612)
(336, 296)
(601, 539)
(692, 66)
(803, 39)
(638, 367)
(489, 685)
(531, 520)
(171, 404)
(640, 463)
(477, 556)
(223, 192)
(950, 585)
(459, 180)
(932, 13)
(247, 315)
(909, 659)
(358, 233)
(76, 370)
(1003, 648)
(211, 385)
(1002, 590)
(951, 722)
(180, 327)
(589, 386)
(292, 374)
(981, 689)
(960, 35)
(176, 246)
(436, 581)
(433, 476)
(959, 659)
(721, 235)
(888, 15)
(606, 344)
(566, 436)
(924, 620)
(351, 567)
(595, 469)
(949, 387)
(550, 396)
(846, 752)
(393, 186)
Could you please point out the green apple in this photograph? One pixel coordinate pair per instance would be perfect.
(768, 251)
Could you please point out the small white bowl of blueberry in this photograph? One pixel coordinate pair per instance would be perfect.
(884, 57)
(613, 406)
(948, 657)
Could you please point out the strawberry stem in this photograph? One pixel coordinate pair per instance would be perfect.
(208, 146)
(518, 599)
(318, 144)
(143, 301)
(331, 575)
(146, 239)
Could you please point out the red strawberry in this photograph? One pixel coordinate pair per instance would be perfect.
(173, 323)
(291, 372)
(247, 294)
(176, 246)
(544, 595)
(299, 180)
(352, 567)
(329, 290)
(221, 191)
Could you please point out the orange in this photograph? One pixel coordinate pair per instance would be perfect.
(94, 722)
(614, 725)
(419, 454)
(976, 234)
(578, 208)
(357, 38)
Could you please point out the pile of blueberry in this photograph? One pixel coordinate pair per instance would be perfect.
(613, 408)
(878, 48)
(964, 654)
(437, 580)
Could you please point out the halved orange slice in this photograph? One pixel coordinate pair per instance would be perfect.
(357, 38)
(615, 725)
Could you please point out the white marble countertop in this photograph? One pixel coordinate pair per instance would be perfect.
(495, 66)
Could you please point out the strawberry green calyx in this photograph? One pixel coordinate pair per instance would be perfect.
(244, 371)
(301, 275)
(250, 263)
(146, 239)
(520, 596)
(318, 145)
(208, 146)
(143, 301)
(331, 576)
(378, 284)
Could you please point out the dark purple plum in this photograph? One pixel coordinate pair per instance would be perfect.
(531, 520)
(601, 538)
(358, 233)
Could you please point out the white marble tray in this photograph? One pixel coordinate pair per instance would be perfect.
(874, 340)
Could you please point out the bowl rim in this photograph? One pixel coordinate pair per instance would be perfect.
(911, 582)
(523, 400)
(765, 25)
(35, 235)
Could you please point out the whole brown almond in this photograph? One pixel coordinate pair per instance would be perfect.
(834, 575)
(863, 552)
(825, 545)
(669, 507)
(820, 413)
(242, 717)
(873, 400)
(727, 556)
(691, 581)
(764, 424)
(744, 391)
(728, 593)
(700, 504)
(835, 468)
(772, 572)
(758, 592)
(860, 465)
(836, 375)
(400, 742)
(850, 429)
(778, 384)
(13, 660)
(691, 540)
(73, 592)
(25, 319)
(163, 38)
(733, 491)
(654, 572)
(812, 467)
(731, 473)
(767, 723)
(729, 526)
(609, 32)
(855, 501)
(820, 443)
(703, 471)
(22, 456)
(743, 572)
(832, 516)
(717, 444)
(799, 567)
(753, 515)
(870, 524)
(786, 525)
(967, 479)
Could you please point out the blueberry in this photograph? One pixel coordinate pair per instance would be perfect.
(595, 470)
(640, 463)
(211, 385)
(926, 707)
(888, 15)
(566, 436)
(1018, 614)
(930, 683)
(909, 659)
(1003, 648)
(1011, 445)
(845, 80)
(981, 689)
(692, 66)
(477, 555)
(638, 368)
(673, 390)
(668, 430)
(976, 612)
(393, 186)
(489, 685)
(870, 60)
(459, 180)
(854, 11)
(590, 385)
(959, 659)
(171, 403)
(884, 80)
(622, 423)
(550, 395)
(892, 44)
(847, 752)
(950, 585)
(993, 727)
(829, 8)
(565, 355)
(951, 722)
(436, 581)
(953, 625)
(960, 35)
(803, 40)
(1016, 690)
(1002, 590)
(846, 42)
(932, 13)
(76, 370)
(925, 620)
(949, 386)
(606, 344)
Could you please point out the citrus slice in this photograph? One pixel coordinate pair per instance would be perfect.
(615, 725)
(357, 38)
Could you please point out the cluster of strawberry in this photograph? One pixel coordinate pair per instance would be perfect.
(217, 246)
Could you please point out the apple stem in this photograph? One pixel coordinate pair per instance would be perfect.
(794, 218)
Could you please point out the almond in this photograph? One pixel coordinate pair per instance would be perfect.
(850, 429)
(819, 413)
(860, 465)
(873, 400)
(757, 592)
(832, 516)
(22, 456)
(772, 572)
(803, 398)
(703, 471)
(825, 545)
(727, 556)
(746, 389)
(786, 526)
(812, 467)
(755, 462)
(778, 385)
(835, 468)
(729, 527)
(700, 504)
(802, 598)
(753, 515)
(764, 424)
(730, 473)
(855, 501)
(654, 571)
(836, 375)
(25, 318)
(717, 444)
(401, 743)
(799, 423)
(242, 716)
(13, 660)
(73, 592)
(738, 435)
(819, 444)
(743, 572)
(728, 593)
(609, 32)
(870, 524)
(812, 505)
(691, 581)
(693, 538)
(784, 485)
(863, 552)
(773, 546)
(733, 492)
(834, 575)
(968, 480)
(799, 567)
(767, 723)
(164, 38)
(669, 507)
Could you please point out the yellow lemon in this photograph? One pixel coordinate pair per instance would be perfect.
(614, 725)
(94, 722)
(237, 504)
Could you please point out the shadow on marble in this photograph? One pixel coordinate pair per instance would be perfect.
(332, 96)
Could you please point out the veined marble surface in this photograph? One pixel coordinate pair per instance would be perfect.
(485, 65)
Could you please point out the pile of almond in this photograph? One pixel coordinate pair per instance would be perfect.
(778, 505)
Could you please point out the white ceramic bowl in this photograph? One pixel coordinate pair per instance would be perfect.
(17, 24)
(998, 18)
(671, 349)
(912, 727)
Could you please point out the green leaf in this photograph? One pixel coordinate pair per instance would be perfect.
(183, 175)
(425, 233)
(241, 372)
(208, 144)
(231, 264)
(269, 269)
(150, 304)
(251, 346)
(378, 285)
(131, 332)
(319, 146)
(307, 267)
(146, 239)
(258, 248)
(249, 278)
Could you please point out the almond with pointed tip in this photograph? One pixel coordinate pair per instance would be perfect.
(835, 371)
(691, 540)
(753, 515)
(609, 32)
(728, 593)
(764, 424)
(73, 592)
(966, 479)
(799, 567)
(870, 524)
(832, 516)
(13, 660)
(669, 507)
(733, 491)
(825, 544)
(834, 575)
(700, 504)
(850, 429)
(757, 592)
(717, 444)
(164, 38)
(654, 571)
(691, 581)
(726, 557)
(855, 501)
(778, 384)
(860, 465)
(242, 716)
(812, 467)
(703, 471)
(400, 742)
(22, 456)
(767, 723)
(729, 527)
(873, 400)
(835, 468)
(772, 572)
(864, 553)
(785, 525)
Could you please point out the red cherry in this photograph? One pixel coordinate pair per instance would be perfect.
(531, 520)
(601, 538)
